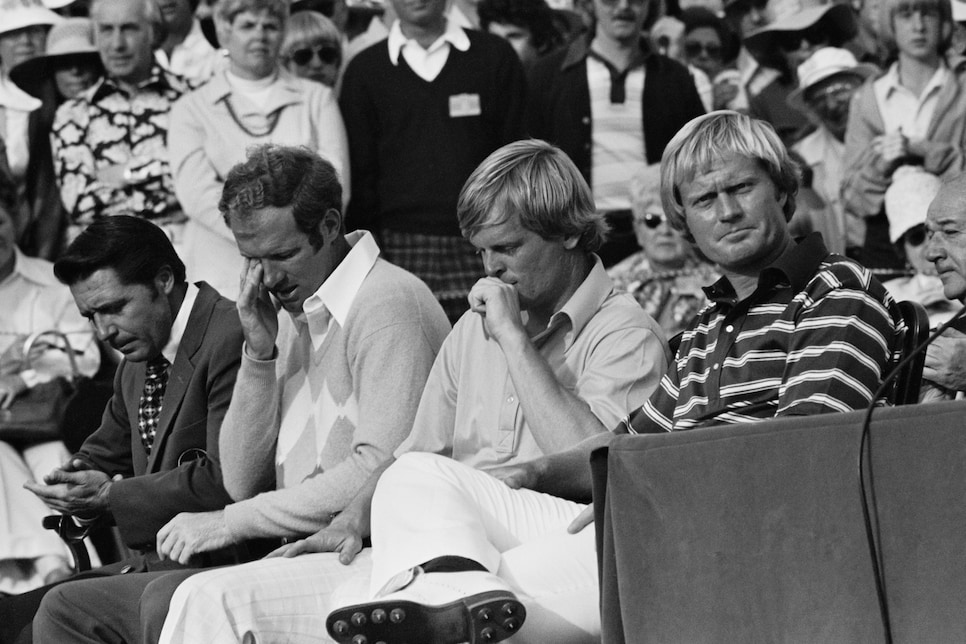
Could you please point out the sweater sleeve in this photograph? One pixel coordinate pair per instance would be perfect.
(389, 366)
(250, 430)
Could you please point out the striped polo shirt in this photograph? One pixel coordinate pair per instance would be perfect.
(817, 336)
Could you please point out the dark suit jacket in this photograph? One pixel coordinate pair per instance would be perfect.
(200, 381)
(559, 103)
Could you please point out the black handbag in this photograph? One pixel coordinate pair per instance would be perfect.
(37, 415)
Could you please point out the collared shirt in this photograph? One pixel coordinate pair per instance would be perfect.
(617, 134)
(426, 63)
(600, 345)
(335, 295)
(32, 300)
(104, 127)
(170, 350)
(816, 336)
(194, 58)
(900, 108)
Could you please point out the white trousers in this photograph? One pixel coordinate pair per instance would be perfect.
(426, 506)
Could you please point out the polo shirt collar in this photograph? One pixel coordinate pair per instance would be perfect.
(453, 34)
(335, 296)
(584, 303)
(795, 267)
(579, 49)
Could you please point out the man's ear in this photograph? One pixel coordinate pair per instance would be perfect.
(570, 243)
(330, 226)
(164, 281)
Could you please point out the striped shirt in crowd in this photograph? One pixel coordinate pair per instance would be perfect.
(816, 336)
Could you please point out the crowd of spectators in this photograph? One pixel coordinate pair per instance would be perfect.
(150, 109)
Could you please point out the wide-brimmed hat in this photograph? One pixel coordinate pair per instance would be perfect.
(825, 63)
(907, 199)
(839, 21)
(17, 14)
(71, 40)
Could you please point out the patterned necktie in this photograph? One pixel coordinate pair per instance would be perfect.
(149, 407)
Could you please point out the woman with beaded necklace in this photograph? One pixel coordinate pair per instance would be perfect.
(253, 101)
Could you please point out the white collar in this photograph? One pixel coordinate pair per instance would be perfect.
(453, 34)
(32, 269)
(338, 291)
(936, 81)
(170, 350)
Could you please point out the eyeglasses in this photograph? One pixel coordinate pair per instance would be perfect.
(328, 54)
(814, 35)
(915, 236)
(652, 219)
(906, 10)
(693, 49)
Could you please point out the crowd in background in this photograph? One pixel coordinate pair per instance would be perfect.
(143, 107)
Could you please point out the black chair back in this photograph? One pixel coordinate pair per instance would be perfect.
(909, 380)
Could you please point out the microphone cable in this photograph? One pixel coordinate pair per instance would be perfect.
(865, 448)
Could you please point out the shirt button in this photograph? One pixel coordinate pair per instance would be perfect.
(509, 399)
(730, 328)
(585, 120)
(714, 366)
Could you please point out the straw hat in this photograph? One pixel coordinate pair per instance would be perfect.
(840, 26)
(824, 63)
(17, 14)
(907, 199)
(71, 40)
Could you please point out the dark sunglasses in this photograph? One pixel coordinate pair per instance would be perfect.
(793, 41)
(694, 48)
(327, 54)
(915, 236)
(653, 220)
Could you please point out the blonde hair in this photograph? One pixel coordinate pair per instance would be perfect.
(705, 141)
(537, 182)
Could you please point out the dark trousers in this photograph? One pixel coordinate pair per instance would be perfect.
(17, 612)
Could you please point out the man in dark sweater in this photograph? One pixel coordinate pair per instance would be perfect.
(612, 106)
(422, 109)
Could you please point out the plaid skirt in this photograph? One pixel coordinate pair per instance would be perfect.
(448, 265)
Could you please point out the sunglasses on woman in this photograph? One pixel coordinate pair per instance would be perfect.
(328, 54)
(693, 48)
(915, 237)
(652, 219)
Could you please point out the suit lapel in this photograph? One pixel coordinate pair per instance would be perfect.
(182, 370)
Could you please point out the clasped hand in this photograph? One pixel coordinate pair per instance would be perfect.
(75, 489)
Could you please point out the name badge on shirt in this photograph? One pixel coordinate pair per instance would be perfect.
(464, 105)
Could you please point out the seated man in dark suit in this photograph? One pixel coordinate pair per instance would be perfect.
(156, 451)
